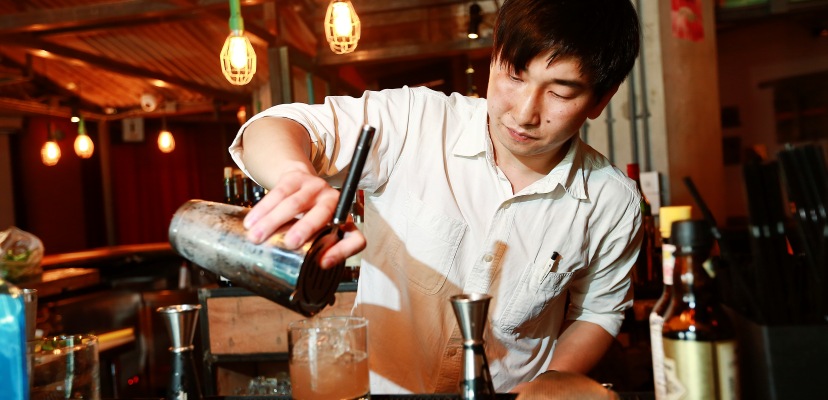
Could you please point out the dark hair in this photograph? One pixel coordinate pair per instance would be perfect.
(603, 35)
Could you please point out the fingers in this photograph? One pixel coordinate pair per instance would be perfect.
(295, 194)
(314, 219)
(352, 243)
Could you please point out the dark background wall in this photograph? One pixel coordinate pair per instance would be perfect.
(63, 204)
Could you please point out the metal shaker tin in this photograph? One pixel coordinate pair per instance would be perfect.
(211, 235)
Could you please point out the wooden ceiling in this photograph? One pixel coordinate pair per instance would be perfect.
(101, 56)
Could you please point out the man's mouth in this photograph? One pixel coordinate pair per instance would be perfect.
(519, 136)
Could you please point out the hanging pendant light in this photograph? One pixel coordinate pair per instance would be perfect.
(342, 26)
(83, 143)
(50, 152)
(475, 18)
(238, 60)
(166, 142)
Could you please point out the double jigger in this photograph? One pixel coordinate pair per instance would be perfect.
(180, 321)
(471, 311)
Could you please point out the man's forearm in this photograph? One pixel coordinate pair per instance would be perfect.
(580, 347)
(281, 145)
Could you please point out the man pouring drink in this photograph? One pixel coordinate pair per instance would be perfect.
(494, 195)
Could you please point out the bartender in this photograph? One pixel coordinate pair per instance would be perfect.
(496, 195)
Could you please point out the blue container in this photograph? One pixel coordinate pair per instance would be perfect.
(14, 379)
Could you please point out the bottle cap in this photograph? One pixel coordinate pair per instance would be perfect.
(670, 214)
(692, 234)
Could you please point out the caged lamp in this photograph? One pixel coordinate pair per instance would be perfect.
(342, 26)
(238, 59)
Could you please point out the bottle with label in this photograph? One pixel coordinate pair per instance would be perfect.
(646, 274)
(668, 215)
(699, 342)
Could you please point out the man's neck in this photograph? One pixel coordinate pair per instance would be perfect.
(524, 171)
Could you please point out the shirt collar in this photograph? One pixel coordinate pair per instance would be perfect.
(569, 173)
(475, 136)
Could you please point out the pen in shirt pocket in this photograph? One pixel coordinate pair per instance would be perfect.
(552, 264)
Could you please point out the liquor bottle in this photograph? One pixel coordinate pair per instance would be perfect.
(230, 197)
(237, 187)
(668, 215)
(246, 192)
(698, 338)
(258, 193)
(229, 186)
(646, 273)
(354, 262)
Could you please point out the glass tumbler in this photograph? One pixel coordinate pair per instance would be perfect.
(65, 367)
(329, 358)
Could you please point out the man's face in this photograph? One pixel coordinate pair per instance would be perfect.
(533, 113)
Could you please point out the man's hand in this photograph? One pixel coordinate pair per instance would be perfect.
(555, 385)
(300, 193)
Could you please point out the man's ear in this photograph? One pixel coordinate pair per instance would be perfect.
(598, 108)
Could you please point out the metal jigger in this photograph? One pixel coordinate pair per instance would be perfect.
(471, 311)
(181, 323)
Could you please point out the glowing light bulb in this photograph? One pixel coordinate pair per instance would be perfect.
(238, 52)
(342, 19)
(166, 142)
(84, 146)
(50, 153)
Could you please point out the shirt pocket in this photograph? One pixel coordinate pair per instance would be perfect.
(538, 288)
(428, 247)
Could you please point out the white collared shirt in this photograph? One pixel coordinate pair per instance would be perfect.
(441, 219)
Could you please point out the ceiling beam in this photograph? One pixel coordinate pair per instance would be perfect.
(124, 11)
(37, 108)
(373, 7)
(399, 53)
(121, 67)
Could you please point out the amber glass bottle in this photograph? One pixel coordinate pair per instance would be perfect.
(698, 339)
(667, 215)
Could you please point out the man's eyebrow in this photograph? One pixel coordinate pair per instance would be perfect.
(568, 82)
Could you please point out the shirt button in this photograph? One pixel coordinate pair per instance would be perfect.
(488, 258)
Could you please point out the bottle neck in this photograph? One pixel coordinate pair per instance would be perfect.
(692, 284)
(668, 262)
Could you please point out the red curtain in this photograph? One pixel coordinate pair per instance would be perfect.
(149, 186)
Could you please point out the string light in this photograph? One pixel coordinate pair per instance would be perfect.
(342, 26)
(83, 143)
(166, 142)
(50, 152)
(238, 59)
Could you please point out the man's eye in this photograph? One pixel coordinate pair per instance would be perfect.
(562, 95)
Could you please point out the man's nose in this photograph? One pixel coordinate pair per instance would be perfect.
(527, 108)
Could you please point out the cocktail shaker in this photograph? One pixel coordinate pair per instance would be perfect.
(212, 236)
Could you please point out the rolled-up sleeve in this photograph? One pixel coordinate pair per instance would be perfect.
(604, 291)
(334, 128)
